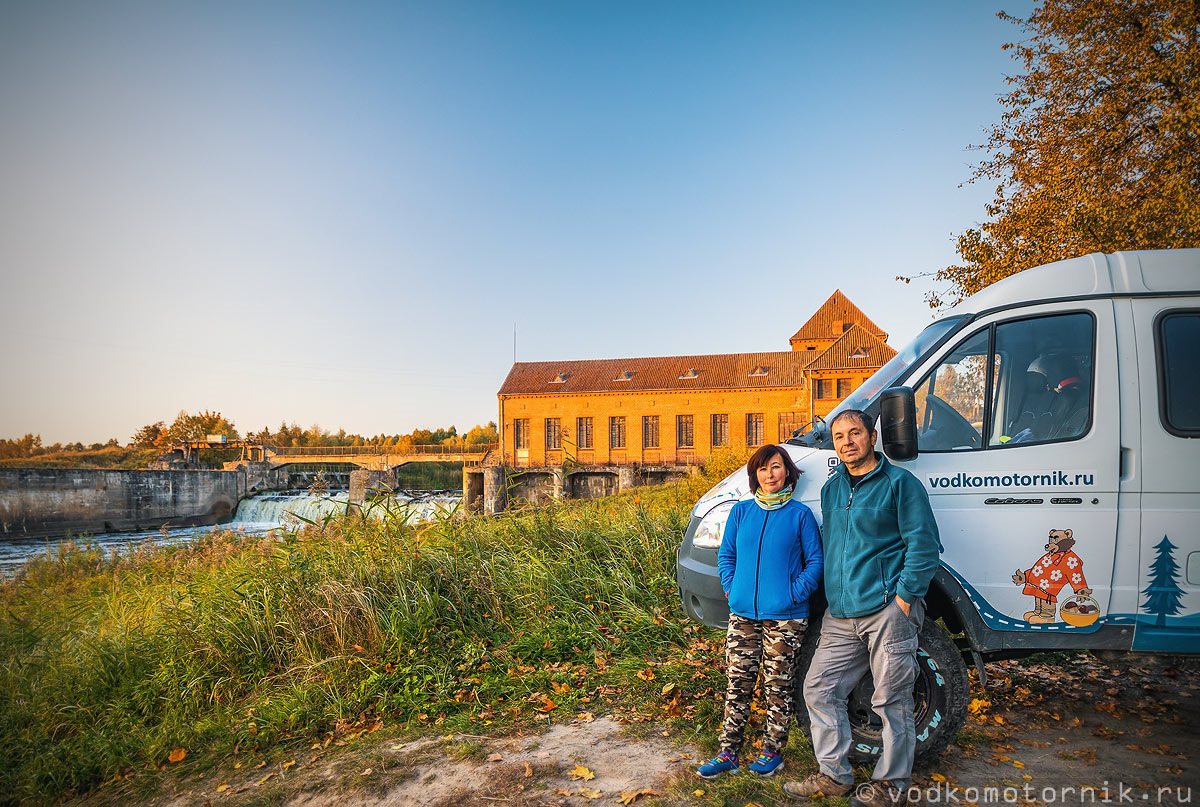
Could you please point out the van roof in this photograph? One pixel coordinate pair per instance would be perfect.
(1151, 271)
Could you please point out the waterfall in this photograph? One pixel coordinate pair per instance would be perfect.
(272, 508)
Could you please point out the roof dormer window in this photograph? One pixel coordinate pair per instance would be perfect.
(689, 374)
(624, 375)
(561, 378)
(859, 353)
(758, 371)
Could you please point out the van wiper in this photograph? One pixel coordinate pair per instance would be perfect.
(812, 435)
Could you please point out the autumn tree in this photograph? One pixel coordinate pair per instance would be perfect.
(1098, 148)
(149, 435)
(199, 426)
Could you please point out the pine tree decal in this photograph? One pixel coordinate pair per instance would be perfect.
(1163, 594)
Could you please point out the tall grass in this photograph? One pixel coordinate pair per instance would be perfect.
(108, 662)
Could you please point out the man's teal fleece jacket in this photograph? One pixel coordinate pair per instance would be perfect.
(880, 541)
(770, 561)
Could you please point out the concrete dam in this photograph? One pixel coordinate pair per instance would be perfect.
(46, 502)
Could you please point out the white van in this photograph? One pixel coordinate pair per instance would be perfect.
(1054, 419)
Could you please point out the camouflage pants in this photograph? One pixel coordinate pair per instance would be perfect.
(777, 643)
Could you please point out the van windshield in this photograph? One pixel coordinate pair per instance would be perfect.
(816, 434)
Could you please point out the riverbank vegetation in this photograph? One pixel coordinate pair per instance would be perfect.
(114, 667)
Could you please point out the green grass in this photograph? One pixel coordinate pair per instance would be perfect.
(229, 645)
(110, 457)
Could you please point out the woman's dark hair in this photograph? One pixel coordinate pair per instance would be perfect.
(762, 457)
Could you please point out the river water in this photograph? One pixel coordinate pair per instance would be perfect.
(255, 516)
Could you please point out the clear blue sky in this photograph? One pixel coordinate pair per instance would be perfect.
(335, 213)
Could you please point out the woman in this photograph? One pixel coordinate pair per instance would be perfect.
(770, 563)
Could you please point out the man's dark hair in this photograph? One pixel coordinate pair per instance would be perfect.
(862, 417)
(761, 457)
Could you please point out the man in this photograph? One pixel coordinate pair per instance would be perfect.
(881, 551)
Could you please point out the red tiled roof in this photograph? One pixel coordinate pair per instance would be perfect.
(720, 371)
(857, 348)
(824, 324)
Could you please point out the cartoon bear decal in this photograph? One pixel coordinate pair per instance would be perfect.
(1045, 579)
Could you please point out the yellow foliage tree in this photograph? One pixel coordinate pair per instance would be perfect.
(1099, 145)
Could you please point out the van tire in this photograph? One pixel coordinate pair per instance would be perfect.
(941, 694)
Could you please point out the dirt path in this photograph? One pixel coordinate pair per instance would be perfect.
(1040, 735)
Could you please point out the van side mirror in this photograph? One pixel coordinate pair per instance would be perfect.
(898, 423)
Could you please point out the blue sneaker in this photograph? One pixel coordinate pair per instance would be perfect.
(767, 763)
(724, 762)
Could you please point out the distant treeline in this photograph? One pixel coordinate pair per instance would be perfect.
(154, 438)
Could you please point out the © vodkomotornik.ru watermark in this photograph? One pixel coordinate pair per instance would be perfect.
(1106, 793)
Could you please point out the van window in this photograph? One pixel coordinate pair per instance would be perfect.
(1179, 372)
(1021, 382)
(950, 400)
(1045, 394)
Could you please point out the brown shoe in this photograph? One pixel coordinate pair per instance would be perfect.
(877, 793)
(816, 785)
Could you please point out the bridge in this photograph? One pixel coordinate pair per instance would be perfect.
(375, 459)
(371, 458)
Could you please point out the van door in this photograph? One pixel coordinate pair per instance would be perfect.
(1018, 437)
(1168, 605)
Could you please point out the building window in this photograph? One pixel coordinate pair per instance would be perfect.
(684, 433)
(754, 429)
(720, 430)
(616, 432)
(650, 431)
(521, 433)
(843, 387)
(553, 433)
(824, 388)
(583, 427)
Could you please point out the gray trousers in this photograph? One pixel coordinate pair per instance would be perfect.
(885, 643)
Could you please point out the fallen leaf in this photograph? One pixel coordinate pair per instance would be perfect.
(590, 793)
(937, 777)
(671, 690)
(289, 764)
(260, 765)
(176, 755)
(646, 674)
(562, 792)
(1018, 763)
(560, 688)
(528, 770)
(697, 792)
(221, 788)
(630, 796)
(585, 717)
(367, 771)
(547, 705)
(495, 757)
(580, 772)
(265, 778)
(977, 705)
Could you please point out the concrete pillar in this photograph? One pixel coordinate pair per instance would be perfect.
(625, 477)
(365, 484)
(556, 482)
(495, 496)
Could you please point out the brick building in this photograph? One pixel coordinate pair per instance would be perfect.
(671, 410)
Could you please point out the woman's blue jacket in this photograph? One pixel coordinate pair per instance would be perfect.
(770, 561)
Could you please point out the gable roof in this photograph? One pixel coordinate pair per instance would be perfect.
(824, 324)
(719, 371)
(858, 348)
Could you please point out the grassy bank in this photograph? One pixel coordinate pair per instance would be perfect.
(233, 645)
(109, 457)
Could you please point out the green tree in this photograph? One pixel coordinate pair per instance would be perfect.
(1098, 148)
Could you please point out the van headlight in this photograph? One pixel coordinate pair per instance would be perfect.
(712, 526)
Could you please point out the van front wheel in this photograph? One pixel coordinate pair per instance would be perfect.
(940, 696)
